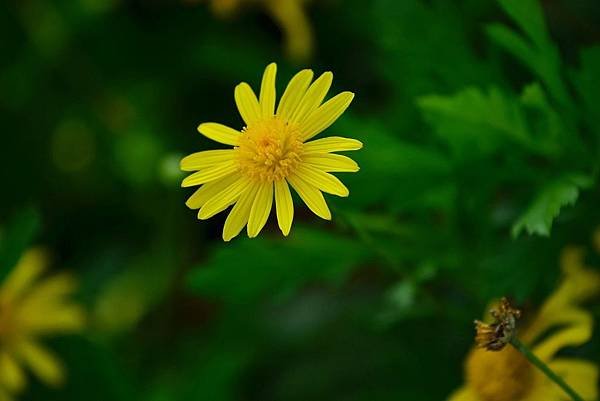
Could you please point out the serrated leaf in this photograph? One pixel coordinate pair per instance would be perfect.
(529, 16)
(473, 121)
(409, 48)
(546, 125)
(535, 49)
(421, 174)
(247, 270)
(546, 207)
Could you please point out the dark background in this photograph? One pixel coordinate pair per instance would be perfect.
(482, 141)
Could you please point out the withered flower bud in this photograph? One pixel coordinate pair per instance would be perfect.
(495, 336)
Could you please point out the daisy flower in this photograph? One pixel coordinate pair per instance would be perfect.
(271, 153)
(560, 323)
(29, 309)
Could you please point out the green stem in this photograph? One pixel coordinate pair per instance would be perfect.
(522, 348)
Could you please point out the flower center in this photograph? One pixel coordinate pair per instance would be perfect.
(269, 150)
(499, 376)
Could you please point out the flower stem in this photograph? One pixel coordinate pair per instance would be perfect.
(523, 349)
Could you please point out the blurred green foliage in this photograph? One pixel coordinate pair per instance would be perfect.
(481, 125)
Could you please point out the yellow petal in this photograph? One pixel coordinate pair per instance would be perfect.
(293, 94)
(268, 91)
(577, 330)
(322, 180)
(293, 21)
(330, 162)
(199, 160)
(209, 190)
(261, 208)
(30, 266)
(582, 376)
(38, 318)
(464, 394)
(210, 174)
(313, 97)
(284, 205)
(247, 103)
(321, 118)
(238, 217)
(55, 287)
(331, 144)
(44, 364)
(220, 202)
(11, 374)
(220, 133)
(580, 282)
(562, 307)
(311, 196)
(4, 395)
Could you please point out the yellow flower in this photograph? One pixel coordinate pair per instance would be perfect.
(507, 376)
(271, 152)
(30, 309)
(289, 15)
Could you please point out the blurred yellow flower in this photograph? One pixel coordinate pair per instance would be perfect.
(29, 309)
(270, 152)
(507, 376)
(289, 15)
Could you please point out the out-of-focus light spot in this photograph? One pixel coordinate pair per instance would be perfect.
(97, 7)
(169, 171)
(137, 156)
(224, 8)
(73, 146)
(117, 113)
(45, 25)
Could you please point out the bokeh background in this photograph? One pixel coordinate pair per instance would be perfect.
(481, 126)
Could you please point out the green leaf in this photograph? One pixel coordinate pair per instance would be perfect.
(421, 173)
(546, 207)
(548, 127)
(475, 122)
(535, 49)
(587, 82)
(248, 269)
(528, 15)
(408, 48)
